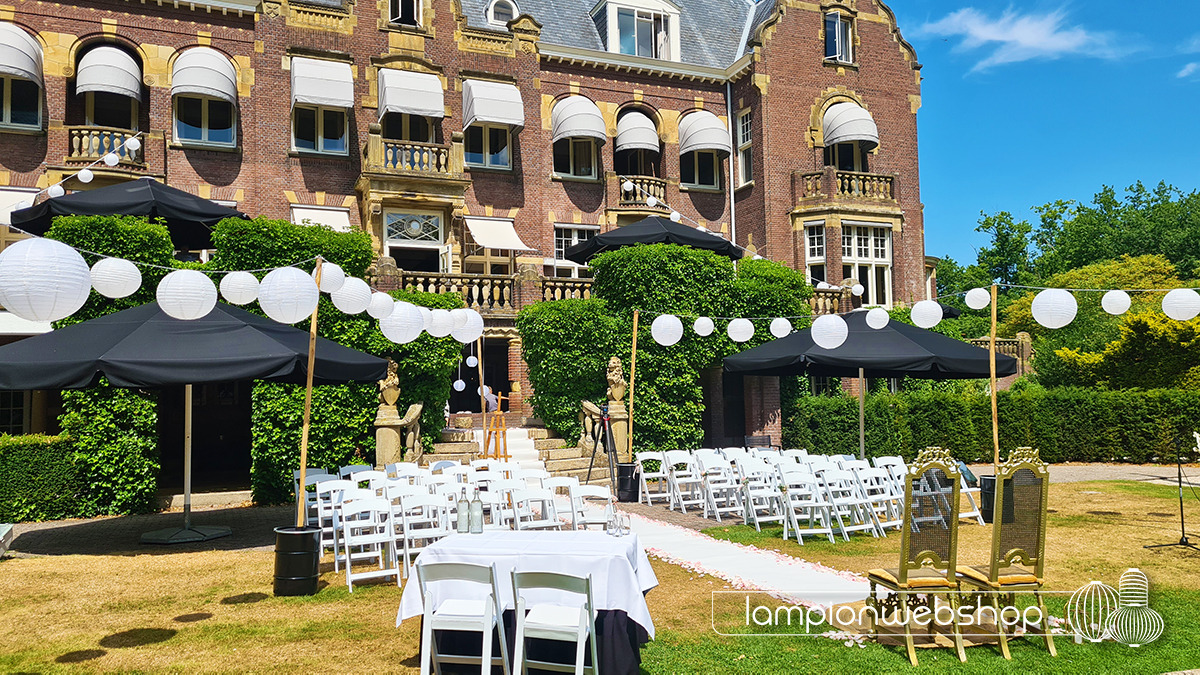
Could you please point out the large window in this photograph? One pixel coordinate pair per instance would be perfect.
(867, 258)
(566, 237)
(204, 120)
(22, 101)
(487, 145)
(745, 164)
(575, 157)
(319, 129)
(415, 241)
(644, 33)
(14, 412)
(815, 259)
(406, 127)
(839, 45)
(405, 12)
(636, 162)
(111, 110)
(847, 157)
(699, 168)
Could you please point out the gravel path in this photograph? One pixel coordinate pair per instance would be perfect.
(1076, 473)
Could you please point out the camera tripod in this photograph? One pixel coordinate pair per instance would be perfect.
(605, 435)
(1183, 540)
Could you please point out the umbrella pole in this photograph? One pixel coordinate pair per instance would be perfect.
(862, 418)
(632, 374)
(301, 500)
(992, 369)
(482, 398)
(187, 456)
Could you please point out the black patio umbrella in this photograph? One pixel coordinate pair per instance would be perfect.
(895, 350)
(142, 347)
(188, 218)
(652, 230)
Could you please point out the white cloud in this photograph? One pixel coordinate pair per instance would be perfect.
(1014, 37)
(1189, 69)
(1191, 46)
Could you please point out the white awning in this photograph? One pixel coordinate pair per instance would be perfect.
(494, 102)
(11, 198)
(337, 219)
(703, 130)
(204, 71)
(845, 122)
(20, 54)
(495, 233)
(111, 70)
(635, 131)
(317, 82)
(577, 117)
(11, 324)
(402, 91)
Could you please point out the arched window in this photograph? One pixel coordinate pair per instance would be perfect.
(501, 12)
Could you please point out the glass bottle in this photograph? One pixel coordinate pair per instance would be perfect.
(463, 509)
(476, 509)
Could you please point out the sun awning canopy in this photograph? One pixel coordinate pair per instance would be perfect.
(635, 131)
(204, 71)
(494, 102)
(495, 233)
(327, 83)
(11, 324)
(20, 54)
(109, 69)
(402, 91)
(577, 117)
(845, 122)
(703, 130)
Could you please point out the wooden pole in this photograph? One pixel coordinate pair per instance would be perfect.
(862, 417)
(482, 398)
(992, 368)
(632, 375)
(301, 499)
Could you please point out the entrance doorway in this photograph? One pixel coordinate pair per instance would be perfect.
(495, 374)
(220, 437)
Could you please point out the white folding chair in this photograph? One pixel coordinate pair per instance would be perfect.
(442, 464)
(574, 622)
(311, 508)
(459, 614)
(532, 476)
(367, 526)
(876, 485)
(719, 481)
(373, 479)
(395, 468)
(851, 511)
(761, 498)
(579, 494)
(459, 473)
(650, 468)
(807, 509)
(556, 483)
(424, 520)
(524, 515)
(968, 492)
(346, 471)
(329, 494)
(309, 473)
(683, 479)
(483, 464)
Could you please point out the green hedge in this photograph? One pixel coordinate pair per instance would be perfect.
(39, 478)
(1066, 424)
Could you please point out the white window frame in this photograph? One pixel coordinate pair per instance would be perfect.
(491, 12)
(832, 159)
(414, 243)
(6, 99)
(320, 133)
(607, 12)
(487, 143)
(856, 233)
(571, 143)
(843, 37)
(745, 126)
(406, 127)
(204, 102)
(89, 99)
(814, 240)
(574, 229)
(696, 172)
(394, 12)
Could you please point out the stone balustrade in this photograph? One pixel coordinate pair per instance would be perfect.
(386, 155)
(86, 144)
(643, 187)
(566, 289)
(827, 300)
(874, 186)
(485, 293)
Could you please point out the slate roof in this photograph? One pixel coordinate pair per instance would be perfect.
(710, 30)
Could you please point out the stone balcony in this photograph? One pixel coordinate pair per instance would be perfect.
(409, 158)
(846, 190)
(88, 144)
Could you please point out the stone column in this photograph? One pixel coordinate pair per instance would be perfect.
(389, 436)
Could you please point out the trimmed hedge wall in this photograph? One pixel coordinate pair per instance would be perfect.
(39, 478)
(1066, 424)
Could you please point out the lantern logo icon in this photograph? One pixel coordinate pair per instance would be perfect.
(1096, 612)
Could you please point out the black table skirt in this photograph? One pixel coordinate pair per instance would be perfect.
(618, 645)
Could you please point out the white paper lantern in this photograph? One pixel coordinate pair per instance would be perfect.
(472, 361)
(239, 288)
(703, 326)
(1115, 302)
(627, 186)
(829, 331)
(133, 144)
(332, 277)
(676, 217)
(857, 290)
(1181, 304)
(651, 202)
(666, 329)
(111, 159)
(471, 330)
(978, 298)
(442, 323)
(1054, 308)
(116, 277)
(459, 385)
(426, 317)
(85, 175)
(927, 313)
(353, 297)
(288, 295)
(878, 318)
(740, 330)
(186, 295)
(403, 325)
(43, 279)
(460, 317)
(781, 327)
(56, 190)
(702, 228)
(381, 305)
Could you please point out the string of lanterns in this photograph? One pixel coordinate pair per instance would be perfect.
(829, 331)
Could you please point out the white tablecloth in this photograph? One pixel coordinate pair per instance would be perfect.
(618, 566)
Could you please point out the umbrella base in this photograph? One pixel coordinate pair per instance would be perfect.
(185, 535)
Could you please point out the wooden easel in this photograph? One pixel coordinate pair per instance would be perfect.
(495, 432)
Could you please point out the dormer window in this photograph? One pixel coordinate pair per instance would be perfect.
(501, 12)
(405, 12)
(644, 28)
(839, 45)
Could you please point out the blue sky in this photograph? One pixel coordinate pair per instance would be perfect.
(1028, 102)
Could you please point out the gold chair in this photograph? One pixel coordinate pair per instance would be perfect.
(928, 547)
(1018, 536)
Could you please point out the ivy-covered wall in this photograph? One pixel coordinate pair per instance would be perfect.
(39, 478)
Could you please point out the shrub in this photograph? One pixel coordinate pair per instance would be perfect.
(39, 478)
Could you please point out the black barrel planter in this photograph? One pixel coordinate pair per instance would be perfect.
(627, 488)
(297, 560)
(987, 497)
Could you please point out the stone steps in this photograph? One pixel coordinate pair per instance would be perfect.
(431, 458)
(551, 454)
(456, 435)
(549, 443)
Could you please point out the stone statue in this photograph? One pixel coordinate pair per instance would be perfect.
(389, 387)
(395, 436)
(618, 415)
(616, 381)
